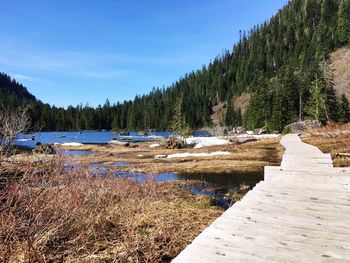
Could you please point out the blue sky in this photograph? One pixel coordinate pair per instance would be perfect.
(70, 51)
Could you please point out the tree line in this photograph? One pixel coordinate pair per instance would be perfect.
(283, 63)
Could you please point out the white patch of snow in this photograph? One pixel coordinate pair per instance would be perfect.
(72, 144)
(24, 140)
(154, 145)
(206, 141)
(184, 155)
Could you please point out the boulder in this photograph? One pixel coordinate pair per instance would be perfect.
(44, 149)
(120, 143)
(174, 143)
(216, 131)
(301, 126)
(240, 130)
(259, 131)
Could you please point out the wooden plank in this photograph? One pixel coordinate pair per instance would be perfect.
(300, 213)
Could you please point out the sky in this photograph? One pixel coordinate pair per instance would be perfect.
(68, 52)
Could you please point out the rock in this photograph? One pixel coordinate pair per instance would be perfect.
(216, 131)
(259, 131)
(174, 143)
(301, 126)
(115, 142)
(240, 130)
(44, 149)
(250, 132)
(161, 156)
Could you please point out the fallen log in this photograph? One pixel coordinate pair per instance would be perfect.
(343, 155)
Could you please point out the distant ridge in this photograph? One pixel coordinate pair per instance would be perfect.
(12, 92)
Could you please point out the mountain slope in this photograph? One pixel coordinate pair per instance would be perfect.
(279, 66)
(341, 66)
(13, 93)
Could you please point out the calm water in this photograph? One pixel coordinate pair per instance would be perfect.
(74, 152)
(214, 185)
(87, 137)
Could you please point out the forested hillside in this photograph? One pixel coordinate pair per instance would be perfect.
(283, 64)
(13, 93)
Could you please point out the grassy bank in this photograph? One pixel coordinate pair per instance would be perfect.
(333, 139)
(248, 157)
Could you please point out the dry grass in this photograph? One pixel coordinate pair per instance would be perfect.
(331, 139)
(56, 216)
(248, 157)
(50, 214)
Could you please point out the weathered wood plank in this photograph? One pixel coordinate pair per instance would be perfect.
(300, 213)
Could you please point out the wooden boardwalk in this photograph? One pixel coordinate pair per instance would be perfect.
(299, 213)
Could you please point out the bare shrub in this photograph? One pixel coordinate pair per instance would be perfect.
(12, 122)
(55, 215)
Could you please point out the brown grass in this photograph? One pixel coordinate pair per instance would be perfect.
(55, 216)
(248, 157)
(333, 139)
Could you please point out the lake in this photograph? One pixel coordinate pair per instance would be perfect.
(85, 137)
(89, 137)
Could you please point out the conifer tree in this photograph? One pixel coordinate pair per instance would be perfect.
(327, 78)
(316, 104)
(343, 22)
(178, 124)
(344, 110)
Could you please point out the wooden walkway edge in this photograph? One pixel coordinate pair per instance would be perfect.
(299, 213)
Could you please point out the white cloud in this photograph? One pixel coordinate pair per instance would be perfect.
(21, 77)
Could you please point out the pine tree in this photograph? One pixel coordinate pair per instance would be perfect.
(178, 124)
(327, 78)
(114, 123)
(343, 23)
(316, 104)
(344, 110)
(230, 113)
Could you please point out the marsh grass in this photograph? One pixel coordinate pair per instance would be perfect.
(51, 215)
(333, 139)
(248, 157)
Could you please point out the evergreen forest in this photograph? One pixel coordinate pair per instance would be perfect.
(283, 64)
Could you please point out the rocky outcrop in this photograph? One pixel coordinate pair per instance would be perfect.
(301, 126)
